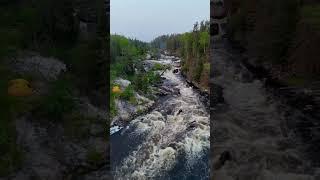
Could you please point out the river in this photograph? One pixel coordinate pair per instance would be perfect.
(254, 134)
(170, 142)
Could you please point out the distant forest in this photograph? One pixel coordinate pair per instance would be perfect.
(193, 48)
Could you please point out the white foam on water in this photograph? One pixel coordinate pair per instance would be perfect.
(168, 135)
(115, 129)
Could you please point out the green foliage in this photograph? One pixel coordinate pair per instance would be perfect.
(154, 52)
(143, 81)
(204, 41)
(198, 71)
(159, 67)
(140, 83)
(160, 42)
(125, 54)
(123, 67)
(192, 46)
(121, 46)
(128, 94)
(153, 78)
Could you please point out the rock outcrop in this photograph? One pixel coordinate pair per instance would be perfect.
(47, 68)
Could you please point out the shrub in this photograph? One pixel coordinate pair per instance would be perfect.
(141, 82)
(153, 78)
(159, 67)
(198, 71)
(128, 94)
(113, 109)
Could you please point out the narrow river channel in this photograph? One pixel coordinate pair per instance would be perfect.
(170, 142)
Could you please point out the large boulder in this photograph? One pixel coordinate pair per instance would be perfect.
(39, 67)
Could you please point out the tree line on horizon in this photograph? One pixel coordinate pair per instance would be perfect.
(193, 48)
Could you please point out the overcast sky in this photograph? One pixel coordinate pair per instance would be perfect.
(147, 19)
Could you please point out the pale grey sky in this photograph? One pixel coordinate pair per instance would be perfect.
(147, 19)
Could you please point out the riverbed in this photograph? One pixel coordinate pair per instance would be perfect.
(170, 142)
(254, 134)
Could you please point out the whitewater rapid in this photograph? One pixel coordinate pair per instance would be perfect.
(170, 142)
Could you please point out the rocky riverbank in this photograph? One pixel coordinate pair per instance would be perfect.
(169, 142)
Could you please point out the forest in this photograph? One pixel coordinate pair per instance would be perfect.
(127, 56)
(193, 48)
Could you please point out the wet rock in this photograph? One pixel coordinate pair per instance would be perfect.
(192, 125)
(174, 145)
(176, 91)
(126, 110)
(156, 138)
(175, 71)
(161, 92)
